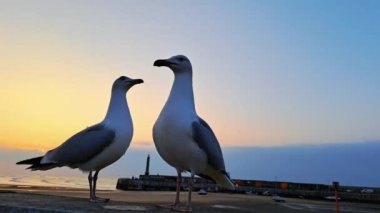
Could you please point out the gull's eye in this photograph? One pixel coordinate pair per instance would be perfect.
(181, 59)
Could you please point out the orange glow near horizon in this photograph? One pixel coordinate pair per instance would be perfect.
(52, 87)
(46, 98)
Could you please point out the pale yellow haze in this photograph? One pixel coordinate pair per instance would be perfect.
(45, 98)
(48, 94)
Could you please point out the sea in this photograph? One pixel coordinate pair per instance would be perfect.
(103, 183)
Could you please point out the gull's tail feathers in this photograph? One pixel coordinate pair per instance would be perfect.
(220, 177)
(36, 164)
(223, 180)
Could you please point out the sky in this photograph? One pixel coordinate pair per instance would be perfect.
(266, 73)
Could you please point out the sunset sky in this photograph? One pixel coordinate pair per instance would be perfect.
(266, 73)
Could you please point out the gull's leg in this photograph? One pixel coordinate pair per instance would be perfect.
(189, 207)
(176, 205)
(94, 198)
(90, 183)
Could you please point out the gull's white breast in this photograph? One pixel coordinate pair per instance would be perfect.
(173, 138)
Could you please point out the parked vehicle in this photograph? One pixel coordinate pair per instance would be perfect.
(251, 193)
(367, 191)
(202, 192)
(267, 193)
(278, 198)
(331, 197)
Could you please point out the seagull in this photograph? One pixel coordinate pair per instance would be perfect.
(183, 139)
(97, 146)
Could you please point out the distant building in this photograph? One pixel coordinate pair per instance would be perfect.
(286, 189)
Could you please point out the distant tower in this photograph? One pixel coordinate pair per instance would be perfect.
(147, 165)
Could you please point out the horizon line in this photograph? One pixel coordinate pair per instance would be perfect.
(146, 146)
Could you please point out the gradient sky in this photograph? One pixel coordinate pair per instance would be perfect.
(266, 73)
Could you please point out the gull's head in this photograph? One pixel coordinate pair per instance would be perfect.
(124, 83)
(178, 64)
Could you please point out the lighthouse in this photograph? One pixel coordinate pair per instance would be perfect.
(147, 165)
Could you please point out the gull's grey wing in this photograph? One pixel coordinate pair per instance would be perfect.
(82, 147)
(207, 141)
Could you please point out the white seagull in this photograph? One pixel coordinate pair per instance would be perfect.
(97, 146)
(182, 138)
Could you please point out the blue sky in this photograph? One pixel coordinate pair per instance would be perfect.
(266, 73)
